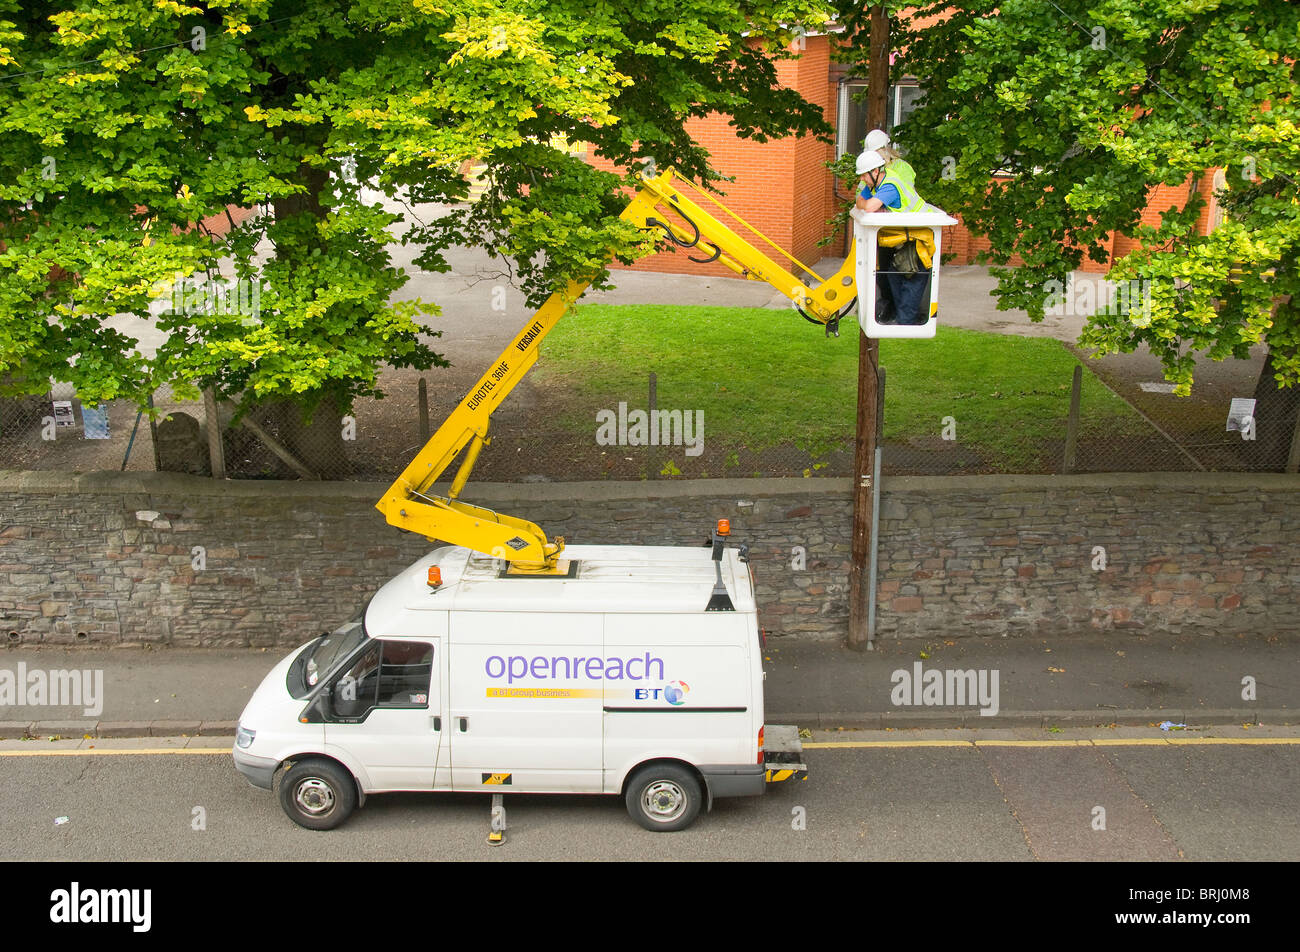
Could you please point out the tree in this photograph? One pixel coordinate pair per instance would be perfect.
(127, 123)
(1083, 107)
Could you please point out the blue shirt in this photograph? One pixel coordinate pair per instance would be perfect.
(887, 193)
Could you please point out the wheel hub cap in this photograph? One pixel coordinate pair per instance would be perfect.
(314, 797)
(663, 801)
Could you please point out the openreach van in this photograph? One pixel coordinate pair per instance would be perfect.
(638, 673)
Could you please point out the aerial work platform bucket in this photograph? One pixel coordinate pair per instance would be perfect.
(866, 232)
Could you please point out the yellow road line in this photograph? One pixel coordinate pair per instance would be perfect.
(1099, 742)
(1176, 741)
(1060, 742)
(829, 744)
(109, 751)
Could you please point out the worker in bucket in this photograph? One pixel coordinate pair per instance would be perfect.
(878, 141)
(902, 280)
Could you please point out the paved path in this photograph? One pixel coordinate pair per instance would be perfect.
(1065, 682)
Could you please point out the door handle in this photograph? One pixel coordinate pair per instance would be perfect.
(437, 723)
(464, 724)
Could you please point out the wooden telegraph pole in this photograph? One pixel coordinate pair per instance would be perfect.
(864, 451)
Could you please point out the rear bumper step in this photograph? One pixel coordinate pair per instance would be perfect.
(782, 754)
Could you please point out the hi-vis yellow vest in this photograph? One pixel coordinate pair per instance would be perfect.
(903, 169)
(909, 200)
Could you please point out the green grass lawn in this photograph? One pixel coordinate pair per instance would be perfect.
(765, 378)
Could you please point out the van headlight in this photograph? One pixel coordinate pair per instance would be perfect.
(244, 737)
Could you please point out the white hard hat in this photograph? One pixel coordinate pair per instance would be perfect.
(868, 161)
(876, 139)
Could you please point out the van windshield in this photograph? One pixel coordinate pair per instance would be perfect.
(333, 648)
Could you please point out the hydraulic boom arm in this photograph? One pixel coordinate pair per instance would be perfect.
(410, 503)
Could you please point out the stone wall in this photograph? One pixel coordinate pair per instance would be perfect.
(155, 558)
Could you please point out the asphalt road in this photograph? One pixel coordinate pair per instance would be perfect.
(1224, 794)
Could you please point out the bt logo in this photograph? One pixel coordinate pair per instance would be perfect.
(674, 692)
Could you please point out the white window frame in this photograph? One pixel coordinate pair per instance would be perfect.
(846, 92)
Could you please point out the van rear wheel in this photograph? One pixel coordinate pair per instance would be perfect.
(664, 797)
(318, 794)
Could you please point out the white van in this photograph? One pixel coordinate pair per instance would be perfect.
(640, 673)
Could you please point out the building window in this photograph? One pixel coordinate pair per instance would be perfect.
(903, 100)
(852, 119)
(904, 96)
(1218, 185)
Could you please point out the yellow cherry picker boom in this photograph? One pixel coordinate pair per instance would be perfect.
(410, 502)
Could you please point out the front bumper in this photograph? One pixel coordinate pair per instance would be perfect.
(259, 771)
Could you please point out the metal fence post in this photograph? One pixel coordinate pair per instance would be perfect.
(423, 398)
(153, 438)
(650, 419)
(216, 451)
(1072, 423)
(1293, 457)
(874, 563)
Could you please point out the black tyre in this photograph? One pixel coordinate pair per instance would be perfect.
(664, 797)
(318, 794)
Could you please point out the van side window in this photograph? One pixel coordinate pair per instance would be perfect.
(404, 674)
(355, 690)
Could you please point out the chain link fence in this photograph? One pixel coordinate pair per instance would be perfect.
(1094, 423)
(55, 431)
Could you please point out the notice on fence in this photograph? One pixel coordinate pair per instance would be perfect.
(94, 423)
(1240, 410)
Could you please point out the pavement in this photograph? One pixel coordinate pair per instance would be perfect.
(1046, 684)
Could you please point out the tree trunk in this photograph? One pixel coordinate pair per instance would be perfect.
(315, 179)
(318, 445)
(1276, 411)
(22, 413)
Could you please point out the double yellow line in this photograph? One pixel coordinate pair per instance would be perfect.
(114, 751)
(1098, 742)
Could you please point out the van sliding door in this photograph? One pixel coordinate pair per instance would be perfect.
(525, 701)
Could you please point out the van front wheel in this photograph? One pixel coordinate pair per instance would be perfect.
(664, 798)
(318, 794)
